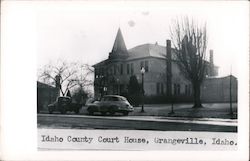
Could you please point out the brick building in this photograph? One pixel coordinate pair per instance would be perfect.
(112, 75)
(46, 94)
(217, 89)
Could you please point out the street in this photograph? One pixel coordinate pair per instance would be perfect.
(70, 121)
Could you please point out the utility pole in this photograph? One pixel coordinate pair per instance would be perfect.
(230, 92)
(169, 74)
(142, 74)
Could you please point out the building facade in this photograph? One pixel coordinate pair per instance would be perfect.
(220, 89)
(46, 94)
(162, 75)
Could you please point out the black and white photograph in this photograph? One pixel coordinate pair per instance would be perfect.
(136, 76)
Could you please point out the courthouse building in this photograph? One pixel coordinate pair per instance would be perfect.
(113, 74)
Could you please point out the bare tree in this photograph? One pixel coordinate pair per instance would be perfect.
(190, 43)
(66, 75)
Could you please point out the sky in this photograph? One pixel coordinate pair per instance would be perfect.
(85, 31)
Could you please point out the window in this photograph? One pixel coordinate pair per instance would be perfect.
(115, 67)
(96, 73)
(121, 69)
(146, 66)
(102, 71)
(132, 68)
(112, 70)
(177, 89)
(186, 89)
(127, 68)
(162, 88)
(158, 88)
(142, 64)
(189, 89)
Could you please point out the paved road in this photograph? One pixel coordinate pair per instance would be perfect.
(135, 123)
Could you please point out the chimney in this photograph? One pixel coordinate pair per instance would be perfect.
(211, 57)
(169, 49)
(58, 80)
(169, 68)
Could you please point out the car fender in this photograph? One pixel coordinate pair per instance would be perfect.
(93, 108)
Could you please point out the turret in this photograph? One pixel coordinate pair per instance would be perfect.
(119, 49)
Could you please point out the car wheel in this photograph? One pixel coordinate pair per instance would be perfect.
(125, 113)
(90, 111)
(112, 110)
(77, 111)
(63, 111)
(50, 111)
(103, 113)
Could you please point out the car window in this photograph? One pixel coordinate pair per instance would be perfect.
(122, 99)
(115, 99)
(109, 98)
(63, 99)
(105, 99)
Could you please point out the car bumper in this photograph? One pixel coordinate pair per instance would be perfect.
(129, 109)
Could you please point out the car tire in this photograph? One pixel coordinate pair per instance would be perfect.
(103, 113)
(50, 110)
(76, 111)
(112, 110)
(125, 113)
(90, 111)
(63, 111)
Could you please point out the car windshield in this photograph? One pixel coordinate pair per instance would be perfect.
(113, 98)
(63, 99)
(122, 99)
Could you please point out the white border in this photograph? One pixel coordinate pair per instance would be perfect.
(18, 97)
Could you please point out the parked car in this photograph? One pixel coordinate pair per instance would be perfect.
(110, 104)
(64, 104)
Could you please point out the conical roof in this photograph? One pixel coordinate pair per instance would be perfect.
(119, 46)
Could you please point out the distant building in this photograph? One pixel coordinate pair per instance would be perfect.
(46, 94)
(112, 75)
(216, 89)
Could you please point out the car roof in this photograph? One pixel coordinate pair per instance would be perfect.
(64, 97)
(114, 96)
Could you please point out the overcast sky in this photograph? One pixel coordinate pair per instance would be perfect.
(84, 31)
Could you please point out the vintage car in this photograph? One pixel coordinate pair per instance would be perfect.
(110, 104)
(64, 104)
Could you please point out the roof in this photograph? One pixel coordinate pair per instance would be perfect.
(119, 44)
(114, 96)
(219, 77)
(43, 85)
(147, 50)
(141, 51)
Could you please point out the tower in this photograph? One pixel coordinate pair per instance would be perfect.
(119, 50)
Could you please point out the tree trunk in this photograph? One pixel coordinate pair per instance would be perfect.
(197, 99)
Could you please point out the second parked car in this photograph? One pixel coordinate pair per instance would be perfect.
(64, 104)
(111, 104)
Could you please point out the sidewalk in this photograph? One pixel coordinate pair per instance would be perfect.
(209, 110)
